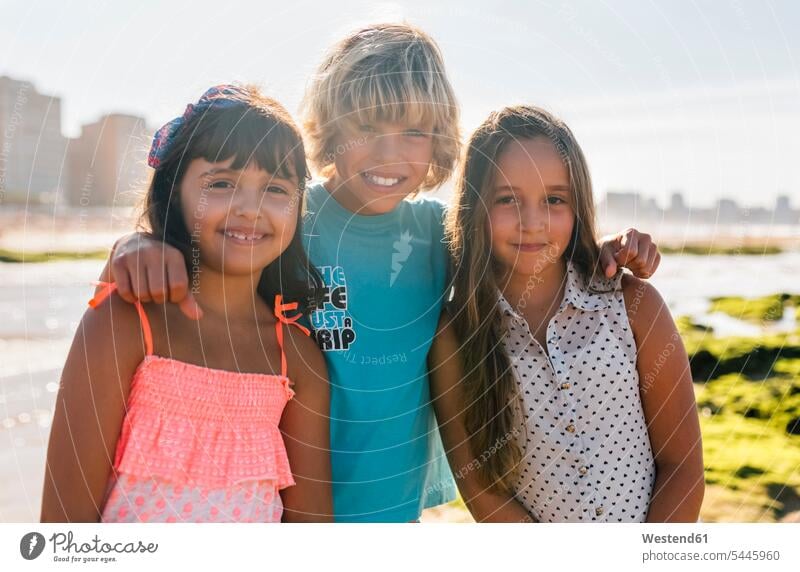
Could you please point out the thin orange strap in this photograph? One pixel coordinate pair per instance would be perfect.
(108, 289)
(280, 308)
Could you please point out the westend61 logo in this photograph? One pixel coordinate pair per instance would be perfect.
(65, 549)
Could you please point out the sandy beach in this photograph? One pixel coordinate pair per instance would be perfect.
(41, 305)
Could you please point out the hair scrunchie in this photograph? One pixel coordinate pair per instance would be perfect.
(223, 95)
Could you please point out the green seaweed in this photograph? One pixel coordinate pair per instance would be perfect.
(763, 309)
(710, 249)
(18, 256)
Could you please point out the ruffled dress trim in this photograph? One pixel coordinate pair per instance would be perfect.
(202, 427)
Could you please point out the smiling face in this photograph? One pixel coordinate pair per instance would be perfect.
(531, 215)
(378, 165)
(240, 221)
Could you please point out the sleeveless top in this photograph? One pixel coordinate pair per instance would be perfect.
(200, 444)
(586, 450)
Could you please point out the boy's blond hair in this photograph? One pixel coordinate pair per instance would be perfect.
(384, 72)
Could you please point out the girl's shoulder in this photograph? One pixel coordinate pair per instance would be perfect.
(304, 358)
(113, 315)
(640, 295)
(645, 307)
(111, 332)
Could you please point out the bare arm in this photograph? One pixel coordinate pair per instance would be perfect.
(306, 432)
(89, 411)
(149, 270)
(665, 385)
(446, 373)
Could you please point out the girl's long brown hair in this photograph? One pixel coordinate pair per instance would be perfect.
(491, 408)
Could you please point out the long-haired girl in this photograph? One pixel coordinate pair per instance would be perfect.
(563, 395)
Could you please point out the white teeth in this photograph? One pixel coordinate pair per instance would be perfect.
(382, 181)
(243, 236)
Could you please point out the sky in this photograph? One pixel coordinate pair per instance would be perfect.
(698, 96)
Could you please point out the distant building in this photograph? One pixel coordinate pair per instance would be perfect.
(677, 211)
(677, 204)
(619, 200)
(727, 211)
(619, 204)
(31, 144)
(107, 162)
(784, 214)
(629, 207)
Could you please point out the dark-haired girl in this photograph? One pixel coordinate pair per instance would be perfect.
(160, 418)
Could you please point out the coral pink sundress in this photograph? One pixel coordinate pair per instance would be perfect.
(200, 444)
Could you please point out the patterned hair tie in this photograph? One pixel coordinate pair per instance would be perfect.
(225, 95)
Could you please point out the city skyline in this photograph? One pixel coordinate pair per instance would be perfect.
(104, 165)
(631, 207)
(702, 96)
(107, 157)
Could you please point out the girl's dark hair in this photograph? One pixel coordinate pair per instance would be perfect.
(255, 130)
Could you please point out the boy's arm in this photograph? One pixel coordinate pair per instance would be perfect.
(149, 270)
(449, 403)
(89, 411)
(632, 249)
(305, 425)
(665, 385)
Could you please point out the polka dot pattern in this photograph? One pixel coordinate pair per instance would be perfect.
(587, 454)
(133, 499)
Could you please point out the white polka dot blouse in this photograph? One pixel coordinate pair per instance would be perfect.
(587, 454)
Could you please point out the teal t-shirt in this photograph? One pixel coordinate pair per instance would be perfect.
(385, 279)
